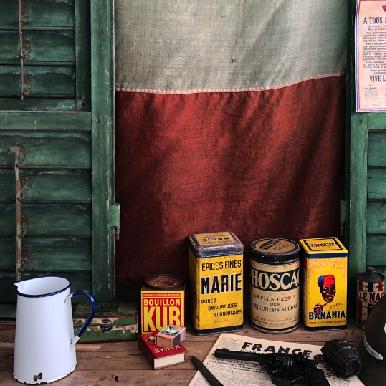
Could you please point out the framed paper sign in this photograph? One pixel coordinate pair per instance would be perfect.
(370, 55)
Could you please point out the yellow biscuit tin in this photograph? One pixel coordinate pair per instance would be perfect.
(325, 283)
(216, 279)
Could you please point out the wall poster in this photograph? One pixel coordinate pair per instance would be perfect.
(370, 55)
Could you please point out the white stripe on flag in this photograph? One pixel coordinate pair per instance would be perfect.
(222, 45)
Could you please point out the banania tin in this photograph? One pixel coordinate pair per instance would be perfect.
(275, 285)
(216, 278)
(325, 283)
(370, 289)
(162, 303)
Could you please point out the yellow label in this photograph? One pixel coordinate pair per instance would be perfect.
(161, 308)
(217, 291)
(210, 239)
(323, 245)
(325, 291)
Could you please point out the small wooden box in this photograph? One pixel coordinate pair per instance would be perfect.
(170, 336)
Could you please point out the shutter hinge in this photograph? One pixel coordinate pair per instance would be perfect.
(114, 220)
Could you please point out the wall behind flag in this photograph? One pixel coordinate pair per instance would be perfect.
(229, 117)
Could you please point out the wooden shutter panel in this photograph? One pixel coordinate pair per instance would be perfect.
(58, 144)
(366, 180)
(44, 55)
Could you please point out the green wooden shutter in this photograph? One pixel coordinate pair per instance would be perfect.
(56, 143)
(366, 175)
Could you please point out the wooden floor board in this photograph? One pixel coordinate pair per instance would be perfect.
(122, 363)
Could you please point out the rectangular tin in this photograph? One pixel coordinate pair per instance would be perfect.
(112, 322)
(160, 308)
(325, 283)
(216, 278)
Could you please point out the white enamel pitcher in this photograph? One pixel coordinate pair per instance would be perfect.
(45, 340)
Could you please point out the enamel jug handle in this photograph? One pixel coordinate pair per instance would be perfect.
(91, 299)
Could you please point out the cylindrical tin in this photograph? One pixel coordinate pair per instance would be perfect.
(163, 281)
(275, 285)
(162, 303)
(370, 289)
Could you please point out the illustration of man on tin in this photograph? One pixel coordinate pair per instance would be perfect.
(326, 284)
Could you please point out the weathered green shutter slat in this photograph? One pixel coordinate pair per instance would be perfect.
(38, 13)
(376, 217)
(48, 254)
(376, 184)
(38, 104)
(40, 47)
(42, 149)
(376, 149)
(47, 219)
(102, 75)
(375, 121)
(47, 185)
(376, 247)
(11, 120)
(39, 81)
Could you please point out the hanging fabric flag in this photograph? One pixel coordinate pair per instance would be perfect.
(230, 116)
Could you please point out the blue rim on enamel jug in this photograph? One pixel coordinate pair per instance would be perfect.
(275, 285)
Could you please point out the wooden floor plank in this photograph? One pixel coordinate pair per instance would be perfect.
(101, 364)
(300, 335)
(102, 378)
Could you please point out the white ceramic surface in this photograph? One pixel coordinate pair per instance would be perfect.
(44, 342)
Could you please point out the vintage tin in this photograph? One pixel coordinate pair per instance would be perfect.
(112, 322)
(162, 303)
(275, 285)
(216, 279)
(370, 289)
(325, 283)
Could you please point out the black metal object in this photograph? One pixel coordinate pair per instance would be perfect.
(342, 357)
(210, 378)
(285, 369)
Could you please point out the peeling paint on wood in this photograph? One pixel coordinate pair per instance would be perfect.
(67, 166)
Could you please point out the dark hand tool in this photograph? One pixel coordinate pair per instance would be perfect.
(210, 378)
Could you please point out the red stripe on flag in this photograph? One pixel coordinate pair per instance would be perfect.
(261, 164)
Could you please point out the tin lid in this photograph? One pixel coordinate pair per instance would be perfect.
(323, 246)
(371, 276)
(216, 244)
(163, 281)
(275, 251)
